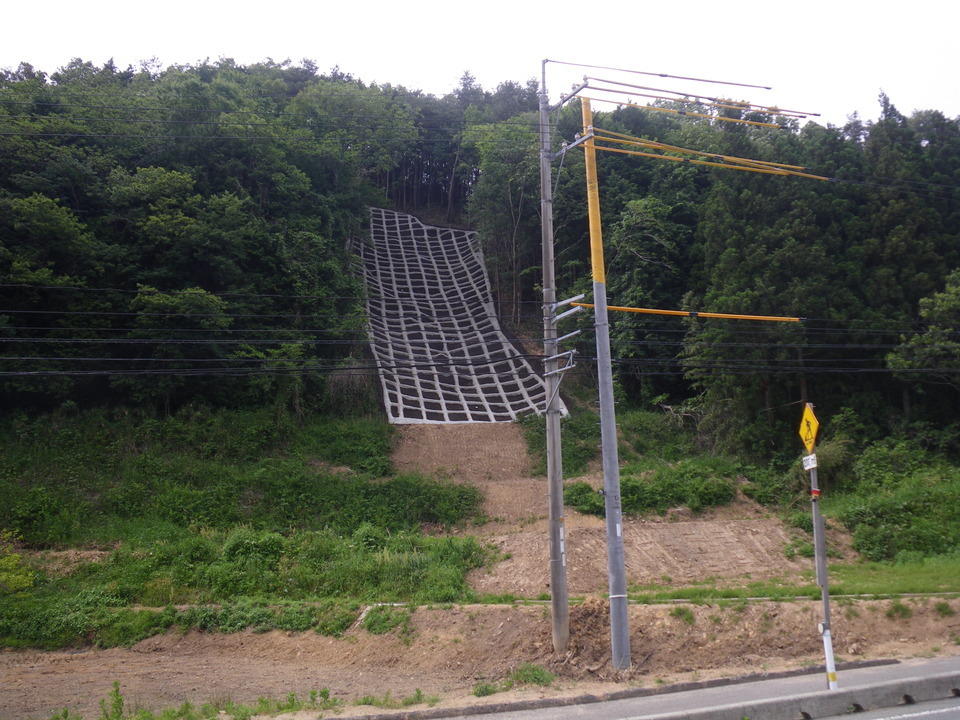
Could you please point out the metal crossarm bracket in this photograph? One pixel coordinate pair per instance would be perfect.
(568, 96)
(559, 371)
(576, 298)
(579, 141)
(570, 364)
(571, 311)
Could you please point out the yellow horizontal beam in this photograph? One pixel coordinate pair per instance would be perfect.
(611, 136)
(684, 313)
(687, 113)
(766, 171)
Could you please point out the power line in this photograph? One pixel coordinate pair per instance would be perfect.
(28, 286)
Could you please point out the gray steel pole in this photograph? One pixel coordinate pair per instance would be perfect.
(616, 563)
(560, 607)
(820, 559)
(616, 567)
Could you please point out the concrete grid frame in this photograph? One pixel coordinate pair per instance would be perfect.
(441, 353)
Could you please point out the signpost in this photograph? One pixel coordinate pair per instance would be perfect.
(808, 427)
(808, 434)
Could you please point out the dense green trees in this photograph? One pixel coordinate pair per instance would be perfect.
(176, 235)
(143, 210)
(854, 257)
(182, 232)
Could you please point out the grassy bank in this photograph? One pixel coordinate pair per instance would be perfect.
(249, 519)
(117, 525)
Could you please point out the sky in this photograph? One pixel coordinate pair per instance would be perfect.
(832, 58)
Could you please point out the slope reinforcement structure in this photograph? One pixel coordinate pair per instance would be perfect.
(441, 353)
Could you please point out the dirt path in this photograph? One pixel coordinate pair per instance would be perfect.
(452, 649)
(729, 544)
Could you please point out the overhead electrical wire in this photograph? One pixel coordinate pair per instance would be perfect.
(686, 113)
(718, 102)
(655, 74)
(684, 369)
(154, 291)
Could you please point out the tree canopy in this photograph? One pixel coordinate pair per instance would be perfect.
(179, 235)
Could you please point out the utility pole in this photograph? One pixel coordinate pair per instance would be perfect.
(560, 608)
(616, 566)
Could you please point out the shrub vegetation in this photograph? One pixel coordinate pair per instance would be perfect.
(249, 519)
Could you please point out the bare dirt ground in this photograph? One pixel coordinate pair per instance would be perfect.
(452, 649)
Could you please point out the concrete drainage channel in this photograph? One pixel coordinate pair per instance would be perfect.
(439, 348)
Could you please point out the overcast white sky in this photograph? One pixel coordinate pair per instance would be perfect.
(828, 57)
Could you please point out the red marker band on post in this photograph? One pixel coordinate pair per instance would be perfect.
(815, 492)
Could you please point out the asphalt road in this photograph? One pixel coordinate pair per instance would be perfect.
(939, 710)
(934, 685)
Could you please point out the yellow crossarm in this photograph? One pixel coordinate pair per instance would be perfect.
(687, 113)
(766, 171)
(684, 313)
(611, 136)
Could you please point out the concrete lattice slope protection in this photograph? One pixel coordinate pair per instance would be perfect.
(440, 350)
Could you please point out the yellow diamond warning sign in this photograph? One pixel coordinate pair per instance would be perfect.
(808, 428)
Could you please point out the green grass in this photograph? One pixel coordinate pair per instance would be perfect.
(258, 579)
(944, 609)
(114, 707)
(706, 595)
(485, 689)
(933, 576)
(937, 574)
(580, 433)
(915, 517)
(649, 434)
(662, 467)
(530, 674)
(698, 483)
(254, 520)
(387, 701)
(85, 479)
(525, 674)
(74, 621)
(384, 619)
(899, 611)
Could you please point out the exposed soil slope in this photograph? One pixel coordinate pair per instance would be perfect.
(450, 650)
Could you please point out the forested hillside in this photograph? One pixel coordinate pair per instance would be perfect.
(188, 401)
(179, 235)
(867, 258)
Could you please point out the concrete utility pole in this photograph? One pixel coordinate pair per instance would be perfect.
(616, 567)
(558, 562)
